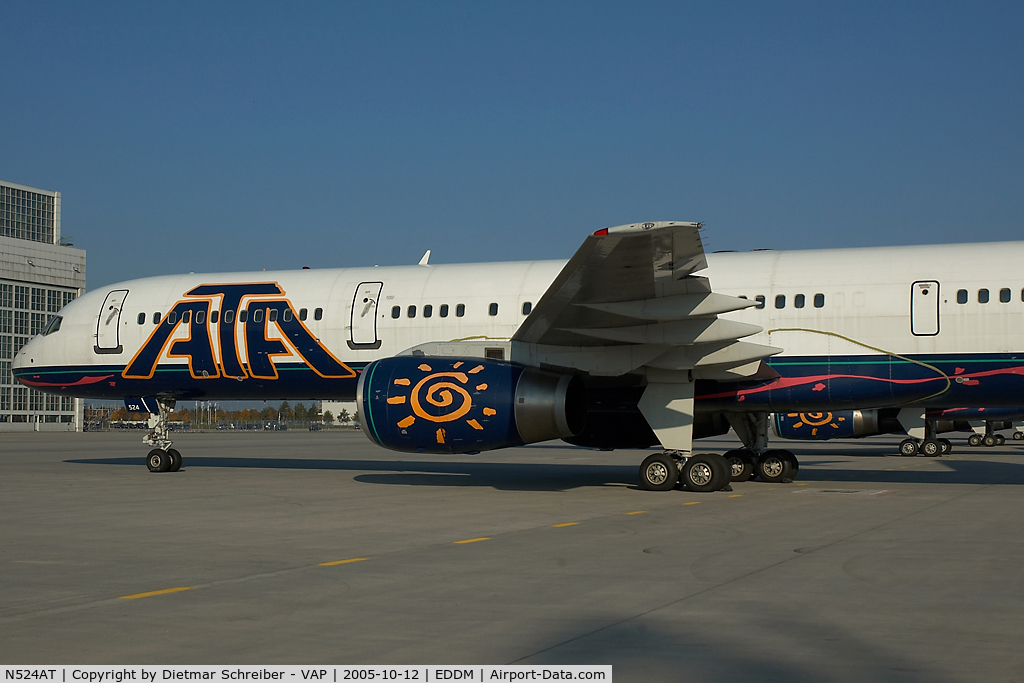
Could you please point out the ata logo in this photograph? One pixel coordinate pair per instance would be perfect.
(440, 397)
(246, 316)
(815, 420)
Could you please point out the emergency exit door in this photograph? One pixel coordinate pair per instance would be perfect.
(363, 325)
(108, 324)
(924, 308)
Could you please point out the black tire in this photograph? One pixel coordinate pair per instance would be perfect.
(724, 471)
(1017, 436)
(947, 446)
(701, 473)
(773, 466)
(974, 440)
(741, 464)
(794, 464)
(158, 461)
(1000, 439)
(930, 448)
(175, 460)
(989, 440)
(658, 472)
(908, 447)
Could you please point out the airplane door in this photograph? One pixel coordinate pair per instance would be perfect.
(924, 308)
(109, 323)
(364, 316)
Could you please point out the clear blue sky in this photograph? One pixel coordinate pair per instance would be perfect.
(211, 136)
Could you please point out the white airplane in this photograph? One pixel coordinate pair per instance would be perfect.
(639, 339)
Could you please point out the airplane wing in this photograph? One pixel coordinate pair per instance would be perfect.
(629, 300)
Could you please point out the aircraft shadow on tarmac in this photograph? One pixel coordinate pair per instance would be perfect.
(557, 477)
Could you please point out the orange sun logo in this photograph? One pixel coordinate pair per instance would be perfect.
(440, 397)
(815, 420)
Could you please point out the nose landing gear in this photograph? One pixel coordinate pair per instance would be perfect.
(162, 458)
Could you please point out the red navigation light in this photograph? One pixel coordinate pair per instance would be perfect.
(601, 233)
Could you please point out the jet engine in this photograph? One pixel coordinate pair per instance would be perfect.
(466, 405)
(844, 424)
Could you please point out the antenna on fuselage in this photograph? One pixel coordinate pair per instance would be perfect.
(426, 257)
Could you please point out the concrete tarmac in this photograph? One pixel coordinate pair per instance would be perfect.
(311, 548)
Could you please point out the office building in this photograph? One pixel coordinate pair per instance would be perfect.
(40, 273)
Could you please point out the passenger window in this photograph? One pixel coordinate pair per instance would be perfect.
(214, 316)
(428, 311)
(272, 315)
(819, 300)
(443, 311)
(760, 301)
(798, 301)
(229, 317)
(396, 311)
(302, 314)
(982, 296)
(318, 314)
(200, 317)
(287, 315)
(527, 307)
(411, 311)
(142, 318)
(460, 310)
(257, 315)
(243, 315)
(186, 317)
(156, 317)
(492, 309)
(1004, 296)
(961, 296)
(780, 301)
(172, 317)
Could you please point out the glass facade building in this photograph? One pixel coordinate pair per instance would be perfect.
(40, 273)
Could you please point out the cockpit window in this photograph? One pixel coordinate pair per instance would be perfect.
(52, 326)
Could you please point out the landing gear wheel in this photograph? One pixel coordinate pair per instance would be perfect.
(741, 464)
(908, 447)
(974, 439)
(158, 461)
(658, 472)
(930, 448)
(773, 466)
(1000, 439)
(989, 440)
(947, 446)
(794, 464)
(723, 475)
(175, 460)
(701, 473)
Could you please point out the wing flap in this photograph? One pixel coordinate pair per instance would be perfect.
(587, 319)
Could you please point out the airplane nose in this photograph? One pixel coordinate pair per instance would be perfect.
(26, 356)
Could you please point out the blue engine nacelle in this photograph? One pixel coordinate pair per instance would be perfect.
(843, 424)
(466, 405)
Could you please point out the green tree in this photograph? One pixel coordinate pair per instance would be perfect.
(328, 417)
(300, 413)
(285, 411)
(343, 417)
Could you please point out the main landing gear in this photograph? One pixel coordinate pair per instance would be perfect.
(990, 438)
(707, 472)
(928, 447)
(162, 458)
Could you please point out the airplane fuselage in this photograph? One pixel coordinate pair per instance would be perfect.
(860, 327)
